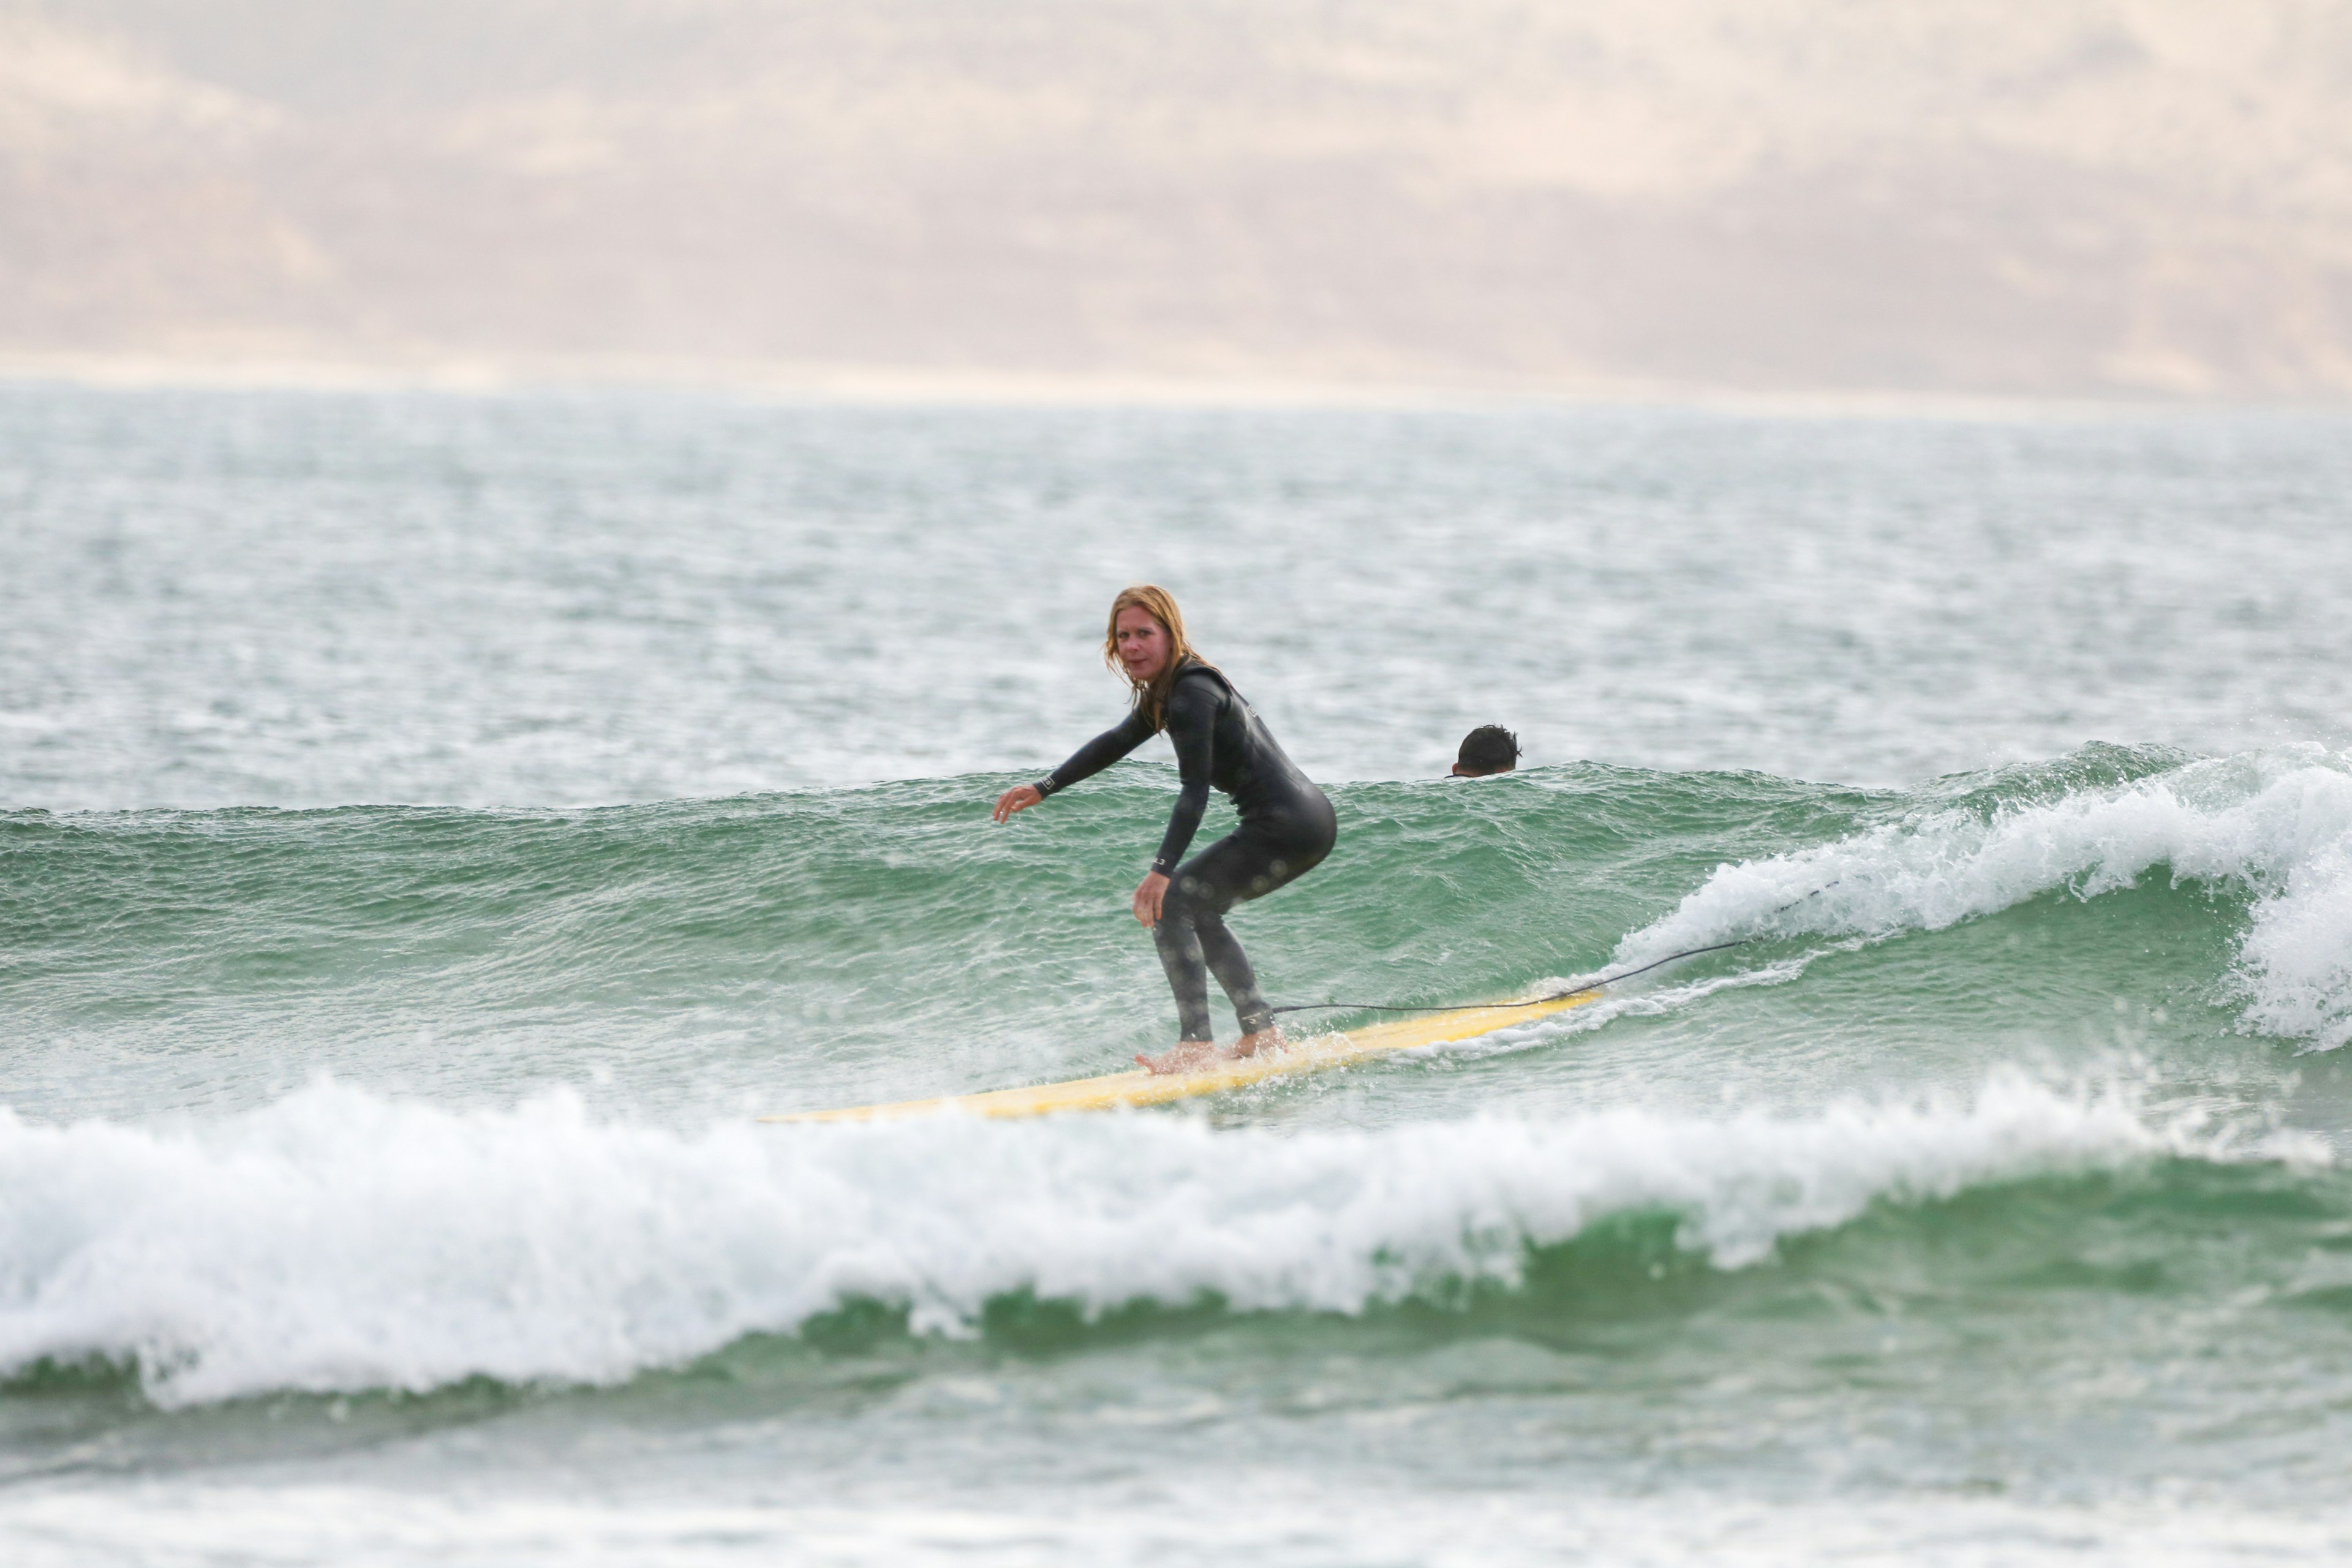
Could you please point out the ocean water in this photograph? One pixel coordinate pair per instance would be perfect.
(433, 828)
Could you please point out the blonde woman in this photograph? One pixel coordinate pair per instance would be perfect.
(1287, 824)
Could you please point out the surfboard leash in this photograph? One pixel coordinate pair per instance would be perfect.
(1577, 990)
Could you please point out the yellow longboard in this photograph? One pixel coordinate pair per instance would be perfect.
(1140, 1088)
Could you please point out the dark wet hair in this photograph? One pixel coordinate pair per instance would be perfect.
(1489, 749)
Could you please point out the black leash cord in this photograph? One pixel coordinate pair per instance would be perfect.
(1555, 996)
(1482, 1007)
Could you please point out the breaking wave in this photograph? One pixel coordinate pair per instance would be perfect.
(337, 1241)
(2278, 824)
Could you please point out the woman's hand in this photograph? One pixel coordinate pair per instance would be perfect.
(1020, 797)
(1149, 893)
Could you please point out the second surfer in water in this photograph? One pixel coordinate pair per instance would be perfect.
(1287, 824)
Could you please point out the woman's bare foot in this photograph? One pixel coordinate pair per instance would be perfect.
(1189, 1056)
(1267, 1039)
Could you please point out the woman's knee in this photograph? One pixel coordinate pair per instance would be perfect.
(1189, 900)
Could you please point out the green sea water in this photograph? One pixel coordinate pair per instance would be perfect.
(380, 1182)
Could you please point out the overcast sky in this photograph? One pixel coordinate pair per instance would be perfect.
(2012, 197)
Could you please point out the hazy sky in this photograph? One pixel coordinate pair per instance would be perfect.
(1999, 197)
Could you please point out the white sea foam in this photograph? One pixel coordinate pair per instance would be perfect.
(337, 1241)
(2278, 823)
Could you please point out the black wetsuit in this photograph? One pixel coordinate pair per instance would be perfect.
(1286, 830)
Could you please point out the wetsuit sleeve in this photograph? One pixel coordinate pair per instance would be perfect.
(1192, 726)
(1097, 753)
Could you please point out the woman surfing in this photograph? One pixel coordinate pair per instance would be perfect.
(1287, 824)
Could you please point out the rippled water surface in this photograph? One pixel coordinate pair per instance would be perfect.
(431, 830)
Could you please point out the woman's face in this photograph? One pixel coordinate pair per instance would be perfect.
(1142, 643)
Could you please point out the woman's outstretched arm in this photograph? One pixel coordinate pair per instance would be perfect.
(1085, 763)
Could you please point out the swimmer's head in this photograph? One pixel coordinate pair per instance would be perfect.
(1489, 749)
(1145, 643)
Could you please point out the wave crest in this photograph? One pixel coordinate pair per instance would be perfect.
(2279, 823)
(337, 1241)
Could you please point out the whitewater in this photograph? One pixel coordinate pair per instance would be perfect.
(2277, 825)
(406, 1248)
(434, 828)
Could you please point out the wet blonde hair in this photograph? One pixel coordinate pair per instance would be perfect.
(1151, 696)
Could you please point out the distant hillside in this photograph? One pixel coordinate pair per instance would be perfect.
(2003, 196)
